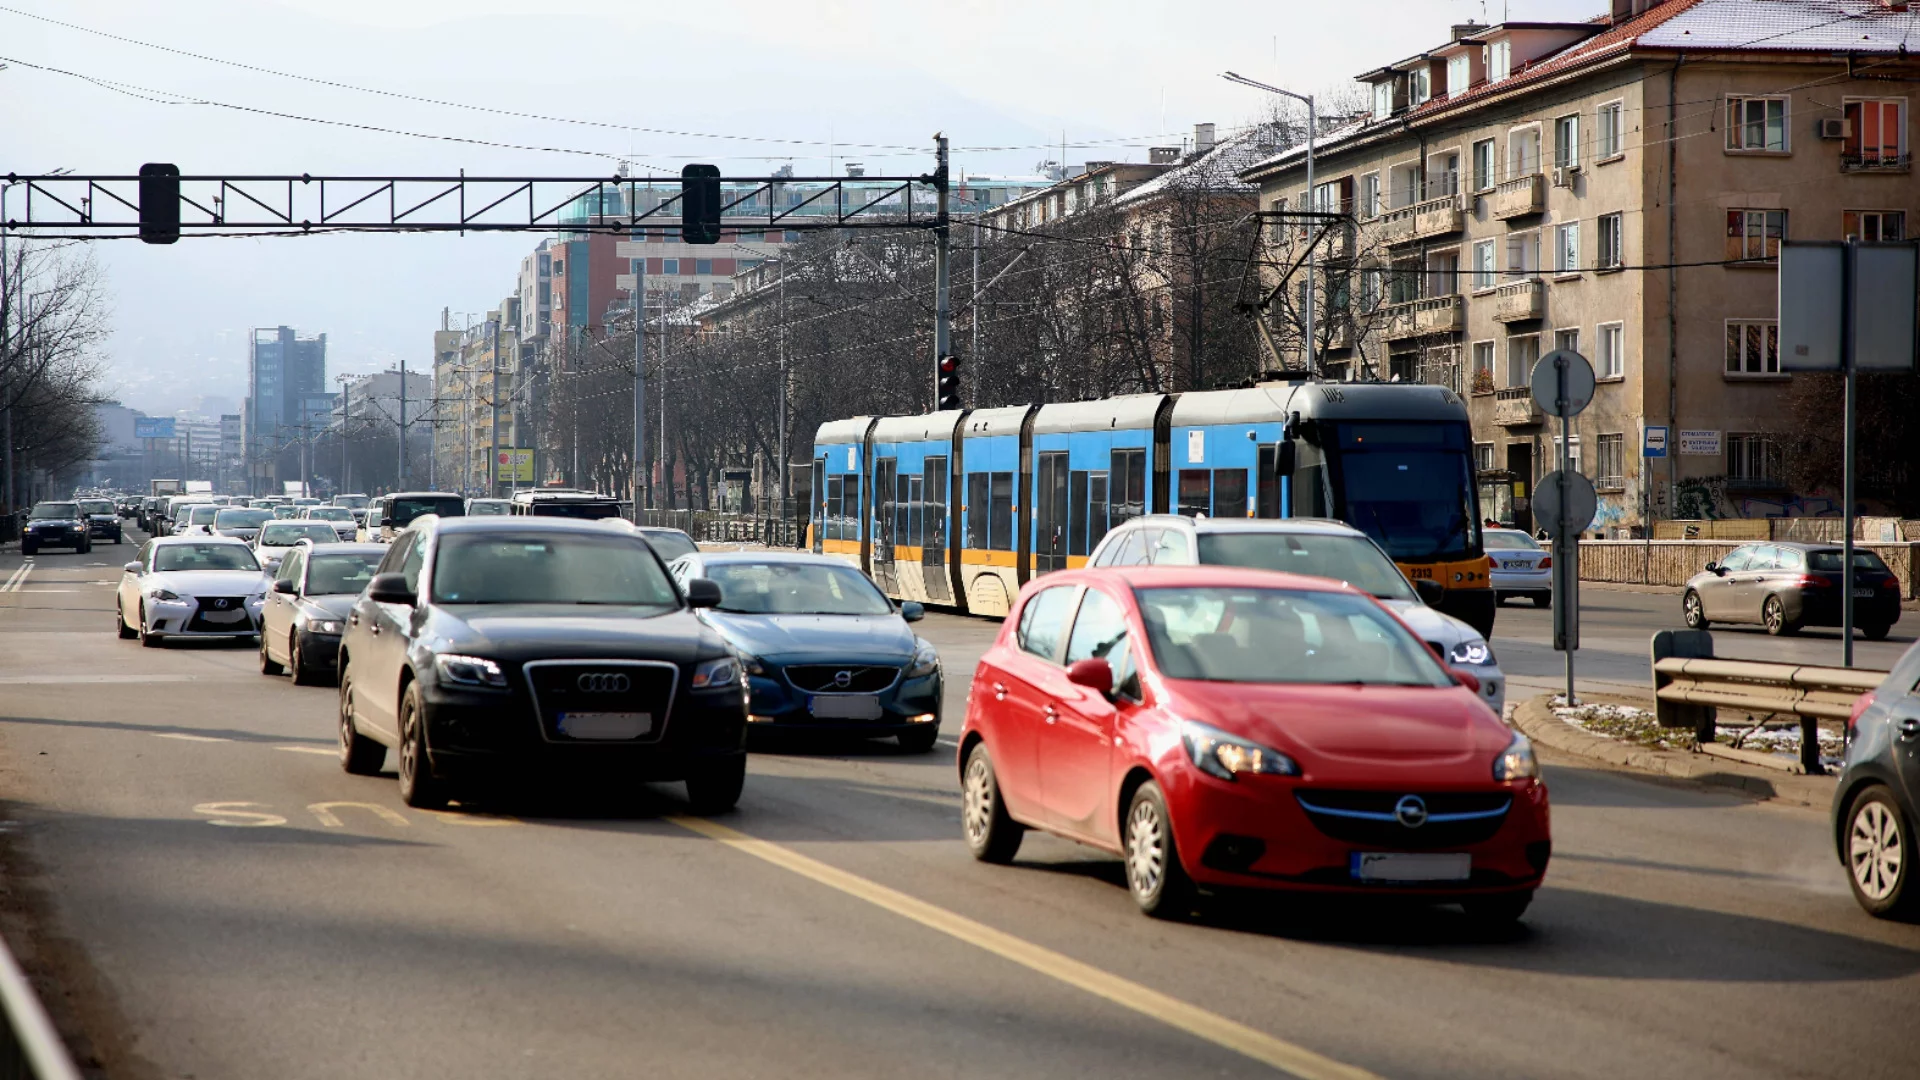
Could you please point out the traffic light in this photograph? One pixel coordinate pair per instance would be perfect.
(159, 203)
(946, 383)
(700, 204)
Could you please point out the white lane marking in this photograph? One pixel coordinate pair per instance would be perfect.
(94, 680)
(254, 819)
(18, 578)
(324, 812)
(308, 750)
(186, 737)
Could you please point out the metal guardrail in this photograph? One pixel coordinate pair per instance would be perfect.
(30, 1049)
(1690, 685)
(707, 526)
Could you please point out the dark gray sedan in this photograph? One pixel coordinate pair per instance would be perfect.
(304, 612)
(1878, 797)
(1787, 586)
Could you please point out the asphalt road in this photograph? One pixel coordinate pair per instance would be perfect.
(213, 898)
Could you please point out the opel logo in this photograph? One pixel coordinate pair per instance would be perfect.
(843, 679)
(604, 683)
(1410, 811)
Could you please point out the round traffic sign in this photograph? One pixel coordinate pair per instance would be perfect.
(1572, 516)
(1562, 383)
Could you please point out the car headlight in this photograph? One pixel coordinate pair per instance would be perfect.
(714, 674)
(1516, 762)
(1217, 753)
(752, 664)
(165, 594)
(1471, 651)
(926, 661)
(324, 626)
(469, 671)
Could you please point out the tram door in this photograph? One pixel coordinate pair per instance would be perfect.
(933, 549)
(1050, 512)
(882, 524)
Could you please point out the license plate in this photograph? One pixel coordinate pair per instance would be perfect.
(230, 615)
(1435, 866)
(605, 725)
(1516, 566)
(845, 707)
(1865, 594)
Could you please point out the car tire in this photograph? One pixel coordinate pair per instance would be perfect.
(148, 639)
(715, 789)
(296, 666)
(267, 664)
(1542, 599)
(1876, 631)
(1155, 878)
(1880, 851)
(28, 549)
(127, 633)
(359, 755)
(1498, 910)
(86, 547)
(991, 834)
(1773, 614)
(419, 788)
(920, 740)
(1693, 612)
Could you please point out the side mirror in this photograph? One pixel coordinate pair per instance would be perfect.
(1431, 593)
(1465, 678)
(1716, 569)
(283, 586)
(390, 589)
(913, 610)
(132, 567)
(1094, 674)
(703, 592)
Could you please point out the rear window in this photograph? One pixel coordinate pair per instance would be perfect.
(587, 511)
(402, 511)
(237, 518)
(1352, 559)
(670, 545)
(1506, 541)
(97, 506)
(1833, 560)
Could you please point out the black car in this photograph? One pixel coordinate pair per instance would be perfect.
(56, 524)
(488, 647)
(306, 609)
(103, 519)
(1876, 806)
(397, 511)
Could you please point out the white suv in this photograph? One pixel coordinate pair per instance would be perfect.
(1314, 546)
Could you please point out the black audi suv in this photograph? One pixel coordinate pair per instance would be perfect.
(489, 648)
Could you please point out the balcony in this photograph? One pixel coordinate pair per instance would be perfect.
(1518, 301)
(1418, 318)
(1427, 220)
(1869, 161)
(1514, 407)
(1520, 197)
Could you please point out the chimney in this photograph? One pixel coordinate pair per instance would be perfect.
(855, 169)
(1466, 29)
(1163, 155)
(1202, 138)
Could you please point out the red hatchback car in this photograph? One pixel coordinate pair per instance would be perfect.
(1227, 728)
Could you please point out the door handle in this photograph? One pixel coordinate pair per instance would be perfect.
(1052, 715)
(999, 691)
(1910, 729)
(375, 628)
(353, 618)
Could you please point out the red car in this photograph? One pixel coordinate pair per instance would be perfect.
(1225, 728)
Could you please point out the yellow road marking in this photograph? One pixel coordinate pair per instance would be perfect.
(1210, 1026)
(308, 750)
(324, 812)
(188, 738)
(474, 821)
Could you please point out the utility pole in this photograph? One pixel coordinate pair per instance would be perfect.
(973, 309)
(785, 454)
(639, 382)
(943, 243)
(402, 481)
(493, 411)
(661, 393)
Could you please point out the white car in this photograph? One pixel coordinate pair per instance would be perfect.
(1314, 546)
(278, 537)
(339, 517)
(189, 587)
(196, 520)
(1521, 567)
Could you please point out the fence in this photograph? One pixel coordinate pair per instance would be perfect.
(711, 526)
(1672, 562)
(1812, 530)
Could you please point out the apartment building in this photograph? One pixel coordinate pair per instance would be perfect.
(1620, 187)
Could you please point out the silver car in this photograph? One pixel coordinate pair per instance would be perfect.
(1521, 567)
(339, 517)
(278, 537)
(190, 586)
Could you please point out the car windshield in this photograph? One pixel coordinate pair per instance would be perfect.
(489, 507)
(351, 502)
(670, 544)
(1352, 559)
(1265, 635)
(1510, 541)
(1835, 559)
(289, 533)
(1410, 487)
(202, 514)
(402, 511)
(285, 513)
(348, 572)
(232, 556)
(329, 513)
(53, 511)
(97, 506)
(548, 568)
(586, 511)
(237, 518)
(774, 588)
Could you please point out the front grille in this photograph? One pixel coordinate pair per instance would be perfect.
(211, 615)
(588, 686)
(825, 678)
(1454, 819)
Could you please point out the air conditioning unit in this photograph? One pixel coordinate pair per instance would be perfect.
(1563, 176)
(1835, 127)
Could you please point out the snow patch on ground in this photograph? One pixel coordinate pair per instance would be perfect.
(1638, 726)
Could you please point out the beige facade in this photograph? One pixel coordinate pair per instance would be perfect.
(1617, 194)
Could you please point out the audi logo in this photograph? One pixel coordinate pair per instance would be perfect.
(604, 683)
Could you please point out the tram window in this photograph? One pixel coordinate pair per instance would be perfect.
(1269, 486)
(1312, 492)
(936, 503)
(836, 486)
(1077, 510)
(1096, 509)
(977, 508)
(1230, 493)
(1129, 485)
(885, 493)
(1196, 491)
(916, 508)
(1000, 513)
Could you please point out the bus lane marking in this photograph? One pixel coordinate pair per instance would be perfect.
(252, 819)
(323, 811)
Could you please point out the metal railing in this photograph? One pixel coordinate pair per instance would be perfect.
(1690, 686)
(714, 527)
(30, 1048)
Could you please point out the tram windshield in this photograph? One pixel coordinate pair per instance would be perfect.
(1410, 487)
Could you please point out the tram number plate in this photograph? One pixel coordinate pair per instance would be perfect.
(1420, 572)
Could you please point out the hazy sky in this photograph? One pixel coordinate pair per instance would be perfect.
(816, 75)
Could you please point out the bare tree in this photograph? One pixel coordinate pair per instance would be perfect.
(52, 322)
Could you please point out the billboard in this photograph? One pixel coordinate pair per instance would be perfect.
(153, 427)
(516, 466)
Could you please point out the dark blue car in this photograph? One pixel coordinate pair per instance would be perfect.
(824, 649)
(1877, 802)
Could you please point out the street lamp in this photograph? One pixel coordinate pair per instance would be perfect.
(1313, 129)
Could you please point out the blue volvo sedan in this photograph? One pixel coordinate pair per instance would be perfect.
(824, 649)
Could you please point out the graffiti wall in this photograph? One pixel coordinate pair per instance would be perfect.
(1706, 498)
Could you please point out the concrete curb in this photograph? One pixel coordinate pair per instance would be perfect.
(1536, 721)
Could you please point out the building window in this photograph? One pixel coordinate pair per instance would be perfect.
(1872, 225)
(1568, 339)
(1523, 152)
(1566, 248)
(1523, 255)
(1522, 353)
(1753, 347)
(1612, 352)
(1483, 367)
(1369, 196)
(1382, 100)
(1752, 460)
(1566, 142)
(1483, 268)
(1612, 242)
(670, 266)
(1573, 452)
(1369, 290)
(1757, 123)
(1877, 133)
(1610, 464)
(703, 266)
(1459, 73)
(1418, 86)
(1499, 60)
(1607, 139)
(1755, 235)
(1483, 165)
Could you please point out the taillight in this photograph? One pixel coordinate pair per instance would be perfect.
(1546, 563)
(1860, 705)
(1890, 583)
(1813, 581)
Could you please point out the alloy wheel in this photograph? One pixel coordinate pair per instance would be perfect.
(1694, 615)
(977, 801)
(1874, 850)
(346, 718)
(409, 752)
(1146, 848)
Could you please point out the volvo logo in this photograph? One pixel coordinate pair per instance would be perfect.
(1410, 811)
(843, 679)
(604, 683)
